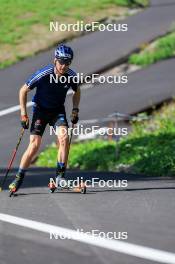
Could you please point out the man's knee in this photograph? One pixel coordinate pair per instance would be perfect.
(34, 144)
(63, 136)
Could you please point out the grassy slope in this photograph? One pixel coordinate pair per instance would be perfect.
(25, 24)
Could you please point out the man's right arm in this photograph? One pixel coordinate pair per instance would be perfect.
(23, 102)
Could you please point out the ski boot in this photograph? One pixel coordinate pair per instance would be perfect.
(16, 183)
(59, 183)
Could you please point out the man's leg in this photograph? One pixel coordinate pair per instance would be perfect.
(38, 125)
(34, 144)
(63, 145)
(63, 140)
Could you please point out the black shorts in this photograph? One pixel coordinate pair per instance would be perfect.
(42, 117)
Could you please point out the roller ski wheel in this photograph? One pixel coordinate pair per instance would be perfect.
(52, 187)
(83, 189)
(80, 189)
(12, 192)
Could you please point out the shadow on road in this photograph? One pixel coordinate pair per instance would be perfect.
(40, 177)
(130, 190)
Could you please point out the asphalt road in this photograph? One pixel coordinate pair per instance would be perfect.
(145, 88)
(145, 210)
(156, 3)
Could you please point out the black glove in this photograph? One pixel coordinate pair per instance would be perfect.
(74, 116)
(25, 121)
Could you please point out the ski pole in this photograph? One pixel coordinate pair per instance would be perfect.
(71, 135)
(70, 140)
(12, 158)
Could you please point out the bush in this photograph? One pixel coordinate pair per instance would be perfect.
(92, 155)
(164, 49)
(148, 149)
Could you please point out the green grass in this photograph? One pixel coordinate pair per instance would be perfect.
(149, 149)
(163, 48)
(19, 20)
(96, 155)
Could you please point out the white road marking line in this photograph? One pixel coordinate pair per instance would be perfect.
(17, 107)
(13, 109)
(118, 246)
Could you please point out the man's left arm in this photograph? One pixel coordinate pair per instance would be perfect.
(76, 98)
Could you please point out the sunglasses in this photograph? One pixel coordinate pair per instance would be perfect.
(64, 62)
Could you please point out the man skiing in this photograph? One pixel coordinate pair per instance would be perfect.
(49, 109)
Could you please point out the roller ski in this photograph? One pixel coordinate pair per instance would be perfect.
(15, 185)
(61, 184)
